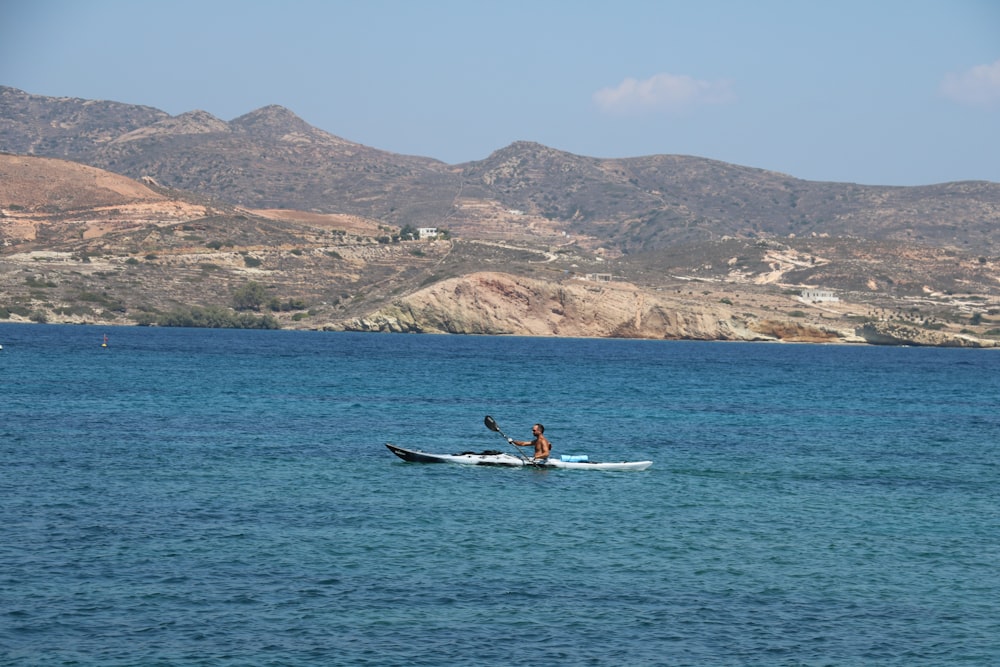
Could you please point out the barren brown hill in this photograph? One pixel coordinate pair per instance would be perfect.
(40, 183)
(266, 217)
(653, 202)
(80, 244)
(143, 254)
(271, 159)
(47, 201)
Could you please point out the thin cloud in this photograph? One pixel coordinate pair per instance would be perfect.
(662, 92)
(978, 87)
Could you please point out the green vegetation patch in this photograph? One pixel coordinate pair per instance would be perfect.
(33, 281)
(211, 317)
(7, 311)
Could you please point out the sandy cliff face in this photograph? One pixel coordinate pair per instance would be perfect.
(499, 303)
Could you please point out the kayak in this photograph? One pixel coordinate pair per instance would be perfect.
(495, 458)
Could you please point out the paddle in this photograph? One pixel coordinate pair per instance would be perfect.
(491, 424)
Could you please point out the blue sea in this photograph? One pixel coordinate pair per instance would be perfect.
(210, 497)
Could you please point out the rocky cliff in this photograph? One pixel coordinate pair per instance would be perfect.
(499, 303)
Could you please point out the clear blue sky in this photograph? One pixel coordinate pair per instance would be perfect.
(886, 92)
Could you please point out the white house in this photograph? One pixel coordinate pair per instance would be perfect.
(817, 295)
(427, 232)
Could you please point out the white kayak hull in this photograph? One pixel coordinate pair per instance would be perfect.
(493, 458)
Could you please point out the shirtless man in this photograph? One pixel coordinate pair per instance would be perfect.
(540, 443)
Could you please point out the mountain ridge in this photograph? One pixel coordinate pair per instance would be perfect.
(662, 223)
(277, 160)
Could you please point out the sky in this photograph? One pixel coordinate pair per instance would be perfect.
(878, 92)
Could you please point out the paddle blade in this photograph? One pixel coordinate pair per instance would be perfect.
(490, 424)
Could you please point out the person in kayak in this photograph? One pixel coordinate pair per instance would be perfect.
(541, 444)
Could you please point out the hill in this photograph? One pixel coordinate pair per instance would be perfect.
(270, 158)
(160, 213)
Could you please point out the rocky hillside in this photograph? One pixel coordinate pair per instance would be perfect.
(654, 202)
(270, 158)
(167, 219)
(65, 127)
(499, 303)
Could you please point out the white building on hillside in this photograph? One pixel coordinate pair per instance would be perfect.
(818, 295)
